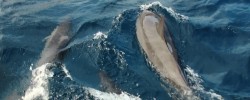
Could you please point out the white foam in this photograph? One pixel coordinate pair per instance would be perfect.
(100, 35)
(195, 78)
(118, 17)
(31, 67)
(39, 84)
(66, 72)
(176, 15)
(38, 88)
(99, 95)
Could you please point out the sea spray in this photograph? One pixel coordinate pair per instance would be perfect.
(197, 87)
(38, 88)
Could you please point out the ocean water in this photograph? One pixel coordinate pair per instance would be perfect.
(212, 38)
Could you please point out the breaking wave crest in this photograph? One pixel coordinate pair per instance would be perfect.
(198, 89)
(176, 15)
(40, 87)
(39, 84)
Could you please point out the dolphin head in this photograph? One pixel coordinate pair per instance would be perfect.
(152, 21)
(56, 41)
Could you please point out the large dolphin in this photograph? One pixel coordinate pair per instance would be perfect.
(55, 42)
(159, 49)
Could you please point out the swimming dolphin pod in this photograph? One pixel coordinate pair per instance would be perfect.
(150, 30)
(159, 49)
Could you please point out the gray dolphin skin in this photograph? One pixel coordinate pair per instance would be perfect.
(160, 52)
(107, 84)
(55, 42)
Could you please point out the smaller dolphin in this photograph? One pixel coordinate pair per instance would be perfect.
(107, 84)
(159, 50)
(55, 42)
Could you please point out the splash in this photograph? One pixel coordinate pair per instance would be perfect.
(98, 95)
(196, 82)
(176, 15)
(38, 88)
(66, 72)
(100, 35)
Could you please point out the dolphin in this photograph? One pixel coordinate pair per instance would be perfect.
(58, 39)
(107, 84)
(55, 42)
(159, 49)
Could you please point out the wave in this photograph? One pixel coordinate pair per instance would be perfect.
(176, 15)
(111, 96)
(38, 88)
(124, 31)
(196, 84)
(210, 36)
(42, 77)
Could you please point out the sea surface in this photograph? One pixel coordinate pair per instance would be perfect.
(212, 38)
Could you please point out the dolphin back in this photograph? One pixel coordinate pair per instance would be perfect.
(159, 48)
(56, 41)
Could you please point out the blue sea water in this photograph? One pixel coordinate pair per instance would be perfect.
(212, 38)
